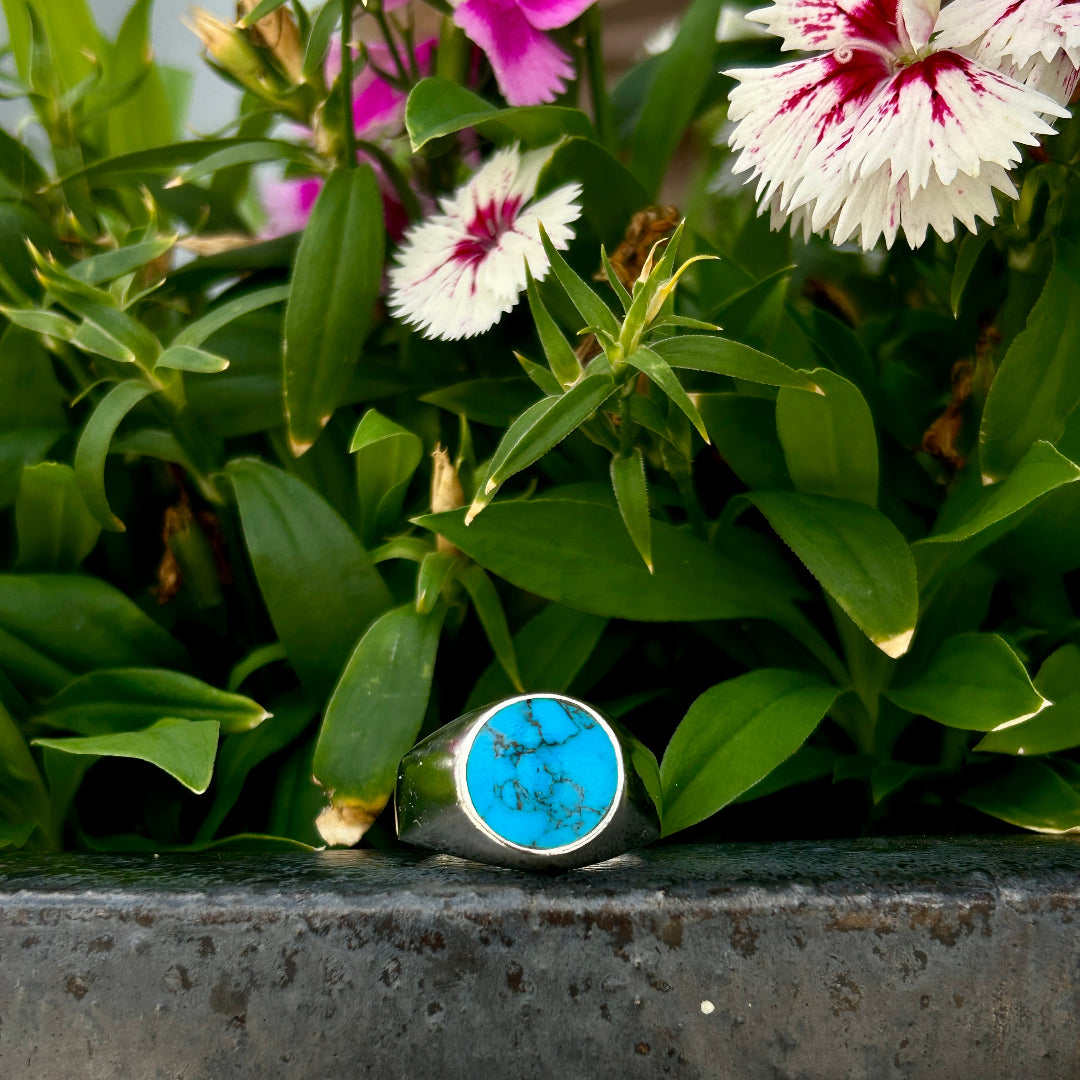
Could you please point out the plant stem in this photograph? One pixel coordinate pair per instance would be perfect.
(388, 37)
(601, 102)
(346, 83)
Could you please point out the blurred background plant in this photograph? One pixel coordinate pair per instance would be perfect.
(822, 560)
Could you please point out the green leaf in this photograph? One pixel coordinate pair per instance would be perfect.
(490, 612)
(681, 75)
(318, 582)
(733, 736)
(260, 11)
(127, 699)
(975, 682)
(829, 440)
(23, 797)
(435, 570)
(91, 338)
(93, 448)
(51, 323)
(12, 835)
(335, 284)
(109, 265)
(240, 753)
(65, 624)
(538, 430)
(1041, 470)
(658, 369)
(1054, 728)
(55, 529)
(628, 482)
(857, 555)
(494, 401)
(438, 107)
(127, 332)
(387, 455)
(144, 117)
(318, 42)
(1033, 795)
(255, 660)
(195, 333)
(1037, 385)
(720, 356)
(187, 358)
(580, 554)
(743, 429)
(374, 717)
(590, 307)
(551, 649)
(249, 152)
(185, 749)
(561, 358)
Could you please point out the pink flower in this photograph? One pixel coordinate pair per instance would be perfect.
(893, 127)
(460, 270)
(529, 67)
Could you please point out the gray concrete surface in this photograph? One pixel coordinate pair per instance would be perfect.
(946, 959)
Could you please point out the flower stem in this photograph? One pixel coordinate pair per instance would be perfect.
(347, 81)
(601, 102)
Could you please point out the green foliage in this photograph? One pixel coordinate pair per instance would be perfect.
(827, 544)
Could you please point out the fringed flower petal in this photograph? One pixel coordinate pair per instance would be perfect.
(459, 271)
(813, 25)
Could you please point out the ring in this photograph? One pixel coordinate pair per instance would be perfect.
(533, 782)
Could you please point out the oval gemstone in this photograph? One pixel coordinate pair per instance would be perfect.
(542, 773)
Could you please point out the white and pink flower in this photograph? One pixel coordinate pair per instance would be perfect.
(906, 122)
(460, 270)
(529, 67)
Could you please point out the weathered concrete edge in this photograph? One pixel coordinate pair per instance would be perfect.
(869, 958)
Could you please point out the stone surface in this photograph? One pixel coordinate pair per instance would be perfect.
(542, 773)
(944, 959)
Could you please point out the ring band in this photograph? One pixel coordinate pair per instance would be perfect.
(533, 782)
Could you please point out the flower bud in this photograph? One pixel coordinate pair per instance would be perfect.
(228, 48)
(446, 493)
(279, 33)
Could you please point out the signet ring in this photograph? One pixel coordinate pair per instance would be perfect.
(533, 782)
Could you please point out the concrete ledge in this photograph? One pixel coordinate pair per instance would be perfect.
(946, 959)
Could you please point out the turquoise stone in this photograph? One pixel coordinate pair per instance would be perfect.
(542, 773)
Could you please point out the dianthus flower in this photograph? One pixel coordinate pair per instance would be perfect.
(895, 126)
(529, 67)
(459, 271)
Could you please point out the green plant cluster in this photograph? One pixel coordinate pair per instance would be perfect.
(804, 519)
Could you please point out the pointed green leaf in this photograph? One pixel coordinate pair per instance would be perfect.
(93, 448)
(590, 307)
(434, 572)
(628, 482)
(319, 584)
(857, 555)
(318, 42)
(733, 736)
(188, 358)
(195, 333)
(658, 369)
(51, 323)
(743, 429)
(551, 649)
(55, 529)
(374, 717)
(490, 612)
(580, 554)
(540, 376)
(109, 265)
(975, 682)
(1057, 727)
(185, 749)
(438, 107)
(335, 284)
(1037, 385)
(128, 699)
(1034, 795)
(564, 364)
(249, 152)
(387, 455)
(539, 429)
(829, 439)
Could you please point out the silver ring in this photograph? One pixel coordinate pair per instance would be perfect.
(533, 782)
